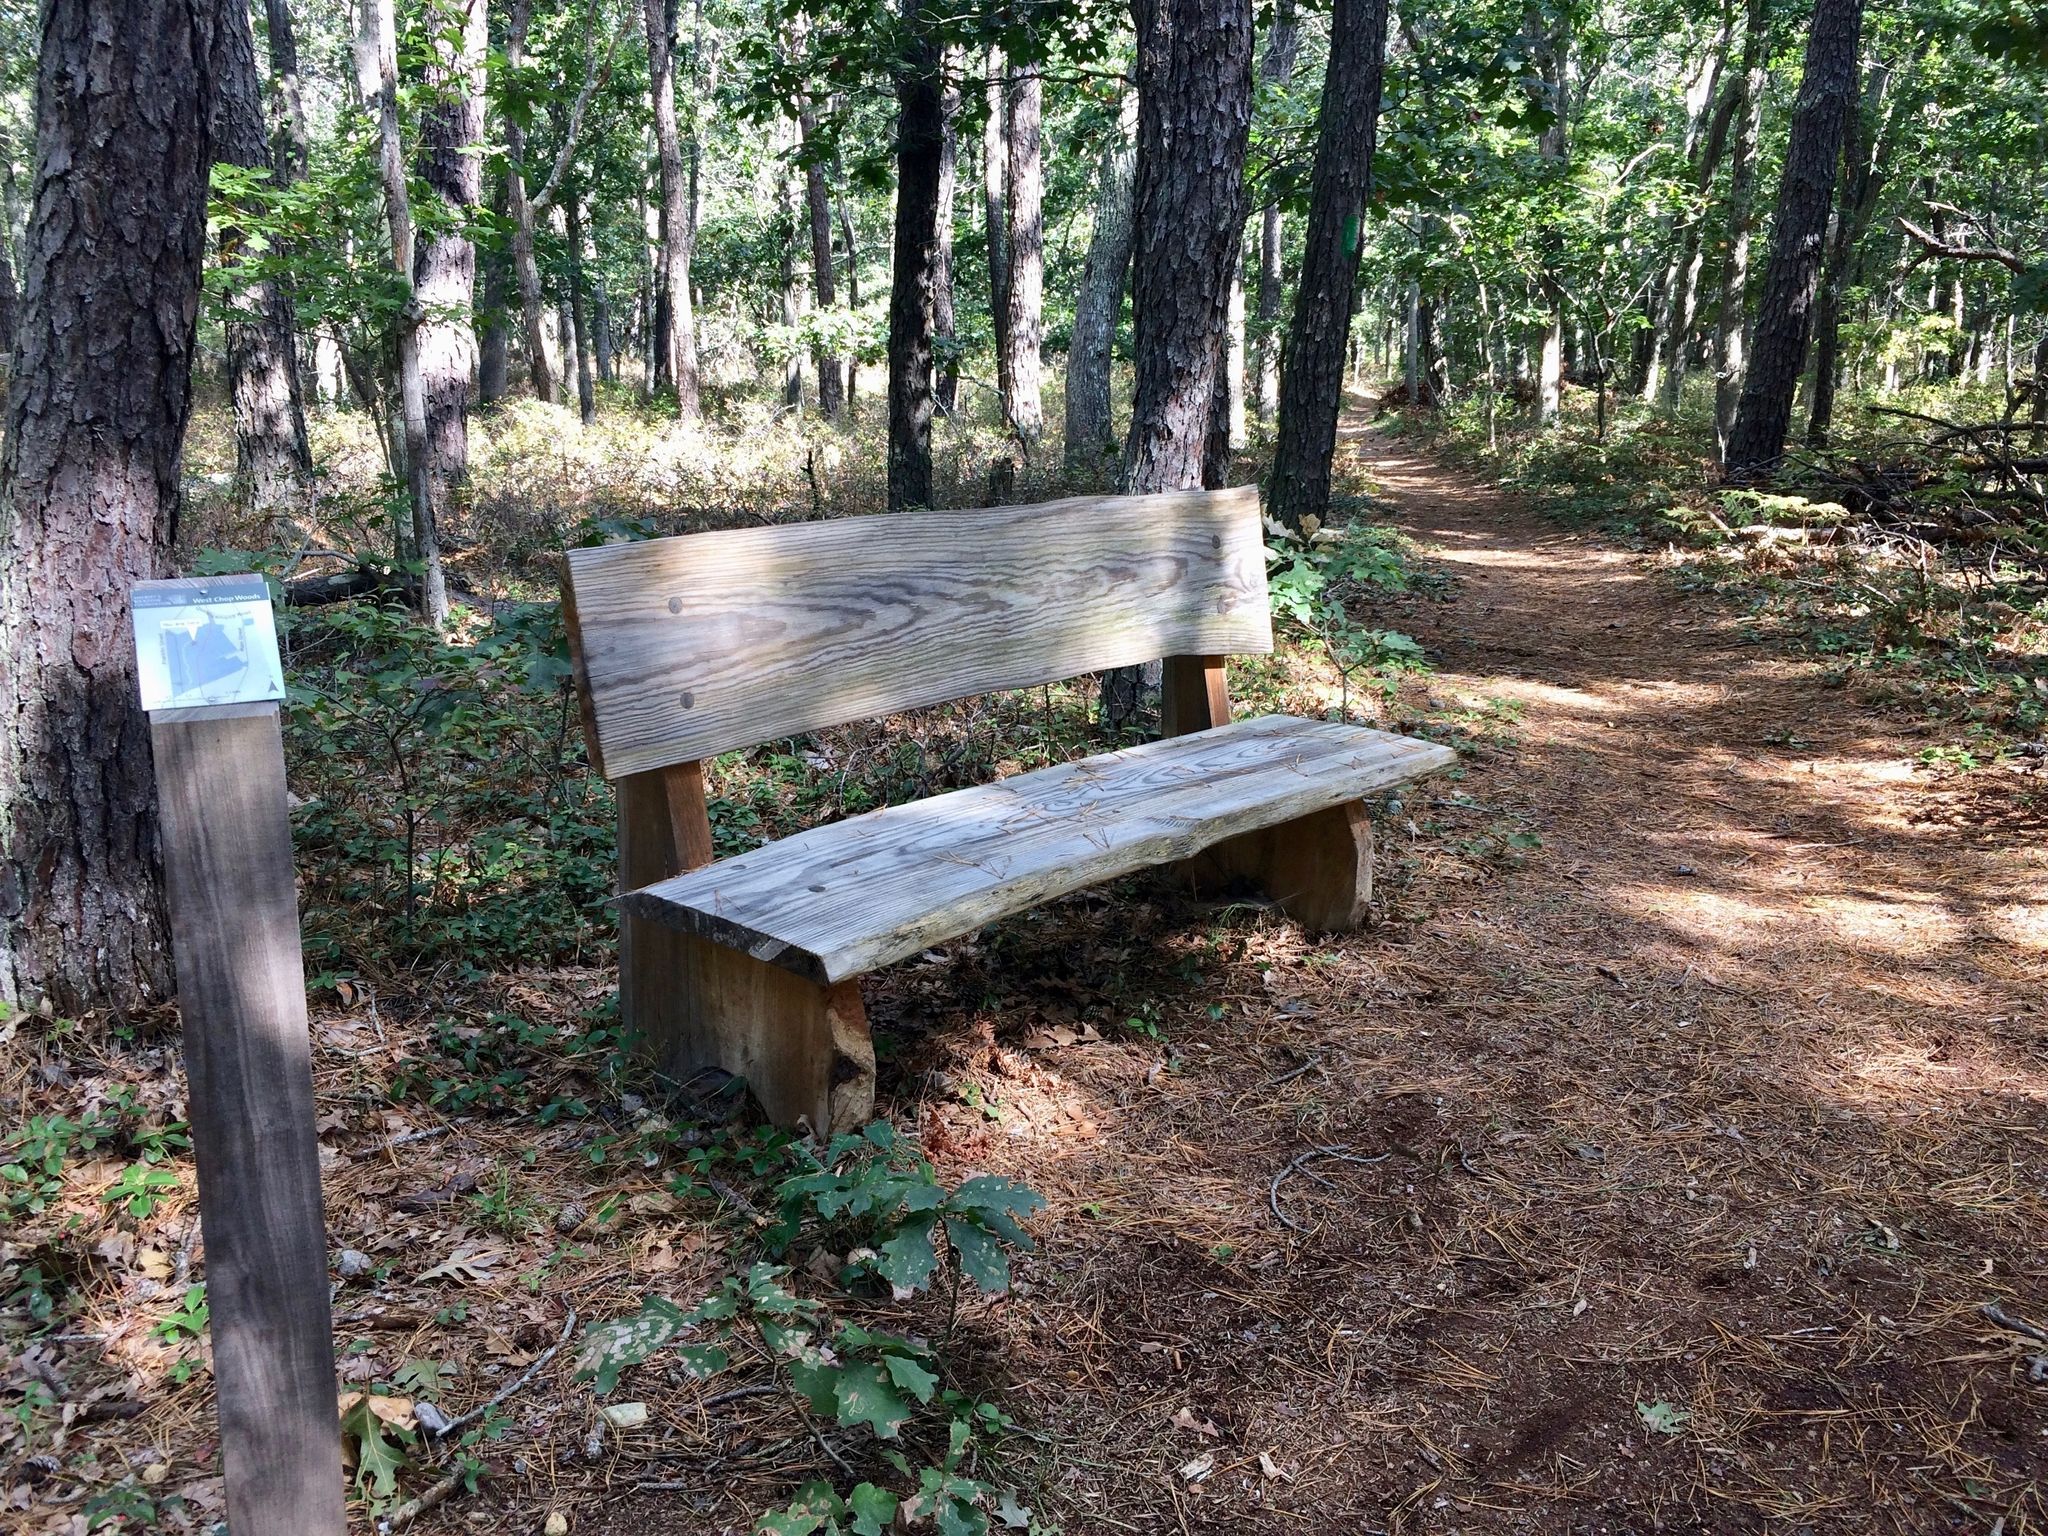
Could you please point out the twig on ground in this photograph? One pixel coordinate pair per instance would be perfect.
(517, 1383)
(2005, 1319)
(1340, 1153)
(434, 1495)
(1303, 1070)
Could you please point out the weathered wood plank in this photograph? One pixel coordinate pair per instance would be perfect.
(1317, 869)
(844, 899)
(227, 850)
(1193, 695)
(803, 1048)
(692, 646)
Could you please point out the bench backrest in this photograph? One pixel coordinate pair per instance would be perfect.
(691, 646)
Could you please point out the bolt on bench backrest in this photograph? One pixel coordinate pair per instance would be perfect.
(691, 646)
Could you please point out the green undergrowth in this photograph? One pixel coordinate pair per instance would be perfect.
(1910, 605)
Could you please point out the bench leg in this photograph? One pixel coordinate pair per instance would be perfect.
(803, 1048)
(1318, 870)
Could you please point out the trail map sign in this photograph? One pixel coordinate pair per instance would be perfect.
(206, 640)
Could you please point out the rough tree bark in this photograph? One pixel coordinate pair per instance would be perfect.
(995, 178)
(1312, 375)
(818, 205)
(1276, 68)
(678, 226)
(1784, 315)
(1090, 434)
(947, 391)
(273, 463)
(493, 324)
(1731, 321)
(1024, 327)
(1549, 57)
(377, 74)
(102, 366)
(451, 168)
(291, 144)
(1194, 117)
(920, 142)
(1866, 146)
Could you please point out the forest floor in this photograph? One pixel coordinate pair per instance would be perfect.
(1691, 1091)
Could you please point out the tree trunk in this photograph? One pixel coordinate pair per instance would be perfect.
(579, 305)
(943, 319)
(679, 230)
(494, 339)
(1549, 57)
(1785, 312)
(818, 205)
(1276, 68)
(1866, 139)
(112, 257)
(1665, 380)
(1090, 434)
(1312, 377)
(540, 362)
(377, 74)
(2038, 420)
(920, 143)
(1024, 330)
(273, 463)
(1194, 117)
(291, 143)
(995, 177)
(1731, 323)
(791, 296)
(852, 293)
(444, 276)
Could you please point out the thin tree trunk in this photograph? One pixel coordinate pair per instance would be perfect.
(791, 297)
(1550, 60)
(1023, 332)
(540, 362)
(1731, 323)
(1785, 312)
(818, 205)
(920, 143)
(1276, 68)
(943, 319)
(1665, 381)
(377, 73)
(678, 227)
(493, 335)
(1090, 433)
(444, 279)
(1312, 376)
(291, 150)
(273, 463)
(1194, 118)
(995, 178)
(846, 238)
(102, 371)
(579, 305)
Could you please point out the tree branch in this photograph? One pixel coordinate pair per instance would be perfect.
(594, 76)
(1933, 245)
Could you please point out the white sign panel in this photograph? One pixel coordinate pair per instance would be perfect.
(205, 640)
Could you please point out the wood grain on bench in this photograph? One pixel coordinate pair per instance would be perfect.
(689, 647)
(847, 898)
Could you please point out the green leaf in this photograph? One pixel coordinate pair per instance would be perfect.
(609, 1349)
(908, 1259)
(1665, 1418)
(866, 1395)
(379, 1455)
(981, 1256)
(873, 1509)
(911, 1377)
(700, 1362)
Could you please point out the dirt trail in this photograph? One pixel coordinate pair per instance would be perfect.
(1710, 1122)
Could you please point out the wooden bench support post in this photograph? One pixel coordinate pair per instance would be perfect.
(1318, 870)
(803, 1048)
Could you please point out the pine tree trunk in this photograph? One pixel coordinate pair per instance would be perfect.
(273, 463)
(1090, 434)
(291, 150)
(920, 143)
(1731, 323)
(444, 274)
(818, 205)
(494, 337)
(1784, 316)
(1312, 376)
(947, 393)
(1865, 139)
(678, 227)
(1024, 330)
(101, 385)
(1194, 117)
(377, 75)
(1276, 68)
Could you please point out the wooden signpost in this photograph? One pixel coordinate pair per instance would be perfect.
(207, 660)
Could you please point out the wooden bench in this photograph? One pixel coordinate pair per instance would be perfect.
(692, 646)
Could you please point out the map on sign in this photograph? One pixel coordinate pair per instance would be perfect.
(205, 640)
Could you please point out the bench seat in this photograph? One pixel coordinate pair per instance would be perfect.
(844, 899)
